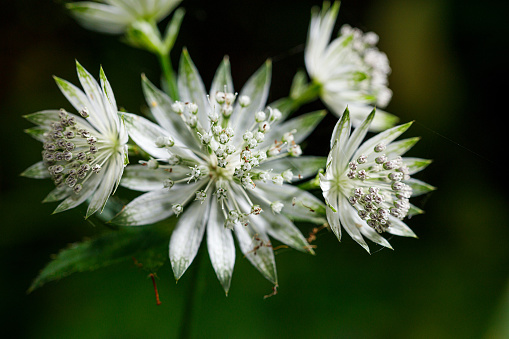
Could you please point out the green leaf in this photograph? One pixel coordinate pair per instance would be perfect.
(146, 245)
(298, 84)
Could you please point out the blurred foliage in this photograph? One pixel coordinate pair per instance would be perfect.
(449, 67)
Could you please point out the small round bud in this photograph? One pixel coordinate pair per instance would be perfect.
(275, 115)
(287, 175)
(192, 121)
(380, 148)
(177, 209)
(278, 180)
(220, 97)
(84, 112)
(244, 101)
(152, 164)
(263, 127)
(260, 116)
(229, 98)
(201, 195)
(295, 151)
(226, 110)
(177, 107)
(276, 207)
(163, 141)
(192, 107)
(168, 183)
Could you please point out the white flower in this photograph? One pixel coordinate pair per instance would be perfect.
(115, 16)
(367, 188)
(85, 155)
(350, 70)
(221, 181)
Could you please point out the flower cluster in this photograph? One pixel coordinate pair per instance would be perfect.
(350, 70)
(224, 165)
(84, 154)
(227, 171)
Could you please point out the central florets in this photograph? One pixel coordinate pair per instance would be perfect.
(230, 159)
(374, 186)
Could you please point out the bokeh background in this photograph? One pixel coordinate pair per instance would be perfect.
(449, 75)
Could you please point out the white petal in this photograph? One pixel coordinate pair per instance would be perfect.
(107, 185)
(382, 138)
(261, 257)
(398, 227)
(347, 216)
(371, 234)
(155, 206)
(303, 124)
(98, 116)
(141, 178)
(100, 17)
(186, 238)
(220, 246)
(160, 106)
(76, 199)
(303, 167)
(38, 170)
(298, 204)
(254, 242)
(257, 89)
(145, 133)
(191, 88)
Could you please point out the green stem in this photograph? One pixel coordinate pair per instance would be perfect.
(309, 94)
(192, 297)
(293, 102)
(169, 75)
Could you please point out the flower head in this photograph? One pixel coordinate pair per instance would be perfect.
(350, 69)
(229, 166)
(115, 16)
(84, 154)
(367, 188)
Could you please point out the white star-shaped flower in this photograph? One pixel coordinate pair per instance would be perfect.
(350, 70)
(84, 154)
(367, 186)
(218, 172)
(115, 16)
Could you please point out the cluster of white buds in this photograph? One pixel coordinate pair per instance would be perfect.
(372, 75)
(188, 112)
(390, 195)
(229, 159)
(70, 152)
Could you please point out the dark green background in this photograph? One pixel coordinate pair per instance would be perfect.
(449, 75)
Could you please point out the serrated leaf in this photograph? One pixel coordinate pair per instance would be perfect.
(145, 244)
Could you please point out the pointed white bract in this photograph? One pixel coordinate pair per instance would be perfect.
(350, 69)
(83, 154)
(367, 186)
(115, 16)
(219, 161)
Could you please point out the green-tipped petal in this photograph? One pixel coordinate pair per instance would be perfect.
(37, 171)
(221, 246)
(186, 238)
